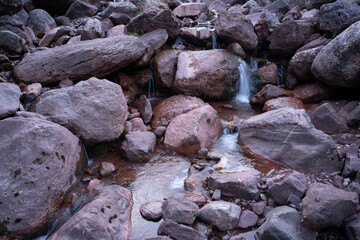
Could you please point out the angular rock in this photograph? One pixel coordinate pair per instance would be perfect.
(279, 7)
(81, 9)
(313, 92)
(224, 215)
(153, 41)
(40, 22)
(336, 17)
(286, 136)
(267, 75)
(351, 112)
(106, 169)
(31, 92)
(9, 99)
(207, 73)
(119, 30)
(40, 160)
(95, 109)
(283, 185)
(326, 119)
(145, 109)
(139, 146)
(119, 18)
(9, 7)
(165, 67)
(137, 124)
(192, 131)
(352, 162)
(352, 227)
(54, 34)
(258, 207)
(238, 184)
(11, 42)
(284, 223)
(126, 8)
(237, 50)
(247, 219)
(160, 131)
(282, 102)
(109, 211)
(236, 27)
(327, 206)
(79, 60)
(270, 92)
(151, 211)
(92, 29)
(310, 4)
(180, 210)
(189, 9)
(321, 41)
(337, 64)
(179, 231)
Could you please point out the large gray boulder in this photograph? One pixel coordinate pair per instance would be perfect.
(106, 216)
(288, 137)
(9, 99)
(338, 62)
(40, 161)
(327, 206)
(95, 110)
(208, 73)
(79, 61)
(283, 223)
(40, 22)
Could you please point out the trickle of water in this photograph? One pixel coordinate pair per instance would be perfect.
(245, 82)
(214, 41)
(151, 88)
(280, 76)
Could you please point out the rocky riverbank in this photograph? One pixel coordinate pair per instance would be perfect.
(111, 110)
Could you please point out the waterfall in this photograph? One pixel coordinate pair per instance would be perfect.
(214, 41)
(246, 72)
(280, 76)
(151, 88)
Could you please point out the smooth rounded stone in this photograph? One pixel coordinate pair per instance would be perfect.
(189, 9)
(223, 215)
(313, 92)
(336, 17)
(106, 216)
(119, 30)
(280, 187)
(40, 161)
(80, 60)
(236, 27)
(300, 64)
(11, 42)
(337, 64)
(247, 219)
(327, 206)
(145, 109)
(138, 146)
(165, 67)
(92, 30)
(119, 18)
(282, 102)
(62, 20)
(284, 223)
(160, 131)
(9, 98)
(126, 8)
(137, 124)
(288, 137)
(198, 199)
(106, 168)
(153, 41)
(269, 92)
(258, 207)
(151, 211)
(352, 162)
(208, 73)
(150, 21)
(310, 4)
(178, 231)
(326, 119)
(190, 132)
(9, 7)
(241, 184)
(352, 227)
(95, 109)
(289, 36)
(266, 75)
(79, 9)
(180, 210)
(40, 22)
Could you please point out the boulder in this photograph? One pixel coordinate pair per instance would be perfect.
(242, 184)
(81, 9)
(282, 102)
(31, 92)
(9, 99)
(336, 17)
(11, 42)
(92, 29)
(352, 162)
(283, 185)
(172, 107)
(313, 92)
(300, 64)
(106, 168)
(310, 4)
(208, 73)
(189, 9)
(321, 41)
(180, 210)
(223, 215)
(165, 67)
(190, 132)
(119, 18)
(284, 223)
(119, 30)
(287, 136)
(352, 227)
(326, 119)
(137, 124)
(80, 60)
(54, 34)
(138, 146)
(337, 64)
(95, 109)
(106, 216)
(266, 75)
(269, 92)
(279, 7)
(145, 109)
(351, 112)
(126, 8)
(40, 161)
(199, 36)
(327, 206)
(258, 207)
(151, 211)
(247, 219)
(289, 36)
(150, 21)
(237, 50)
(236, 27)
(40, 22)
(178, 231)
(9, 7)
(153, 41)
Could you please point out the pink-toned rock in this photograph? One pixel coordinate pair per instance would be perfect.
(151, 211)
(165, 67)
(192, 131)
(172, 107)
(93, 29)
(153, 41)
(79, 9)
(313, 92)
(237, 50)
(106, 168)
(247, 219)
(138, 146)
(137, 124)
(269, 92)
(282, 102)
(267, 75)
(145, 109)
(189, 9)
(40, 22)
(9, 98)
(119, 30)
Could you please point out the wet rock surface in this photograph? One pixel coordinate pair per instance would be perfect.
(9, 98)
(182, 211)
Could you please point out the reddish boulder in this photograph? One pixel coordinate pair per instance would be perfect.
(165, 67)
(81, 9)
(153, 41)
(138, 146)
(269, 92)
(189, 9)
(313, 92)
(40, 22)
(282, 102)
(266, 75)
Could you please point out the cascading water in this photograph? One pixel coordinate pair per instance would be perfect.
(214, 41)
(246, 73)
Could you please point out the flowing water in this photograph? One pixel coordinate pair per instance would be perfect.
(245, 82)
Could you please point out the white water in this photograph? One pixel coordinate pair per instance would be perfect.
(245, 81)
